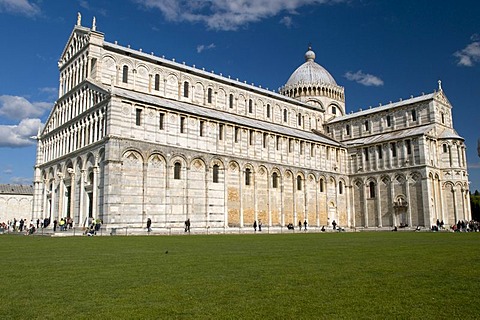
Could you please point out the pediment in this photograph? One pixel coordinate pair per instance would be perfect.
(78, 40)
(99, 91)
(442, 98)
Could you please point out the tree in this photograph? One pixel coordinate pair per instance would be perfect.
(475, 205)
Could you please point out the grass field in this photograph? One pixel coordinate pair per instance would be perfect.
(278, 276)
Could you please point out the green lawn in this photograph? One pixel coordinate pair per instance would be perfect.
(403, 275)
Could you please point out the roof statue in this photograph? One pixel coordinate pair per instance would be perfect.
(79, 19)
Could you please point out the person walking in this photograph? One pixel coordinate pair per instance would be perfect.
(149, 225)
(255, 225)
(305, 225)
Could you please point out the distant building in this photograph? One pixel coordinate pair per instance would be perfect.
(15, 202)
(135, 136)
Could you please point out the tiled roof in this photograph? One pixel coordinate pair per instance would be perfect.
(225, 116)
(391, 105)
(388, 136)
(16, 189)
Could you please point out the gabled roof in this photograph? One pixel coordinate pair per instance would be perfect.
(88, 82)
(206, 74)
(388, 136)
(223, 116)
(77, 30)
(16, 189)
(389, 106)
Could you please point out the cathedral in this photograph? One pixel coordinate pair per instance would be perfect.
(134, 136)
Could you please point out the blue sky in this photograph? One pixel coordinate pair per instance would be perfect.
(380, 51)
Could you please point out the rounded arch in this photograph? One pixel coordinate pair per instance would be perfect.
(448, 184)
(126, 62)
(332, 180)
(178, 157)
(198, 163)
(142, 65)
(79, 163)
(316, 103)
(288, 174)
(69, 165)
(130, 155)
(337, 109)
(217, 161)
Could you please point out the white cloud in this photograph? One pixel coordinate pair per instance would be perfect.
(364, 78)
(203, 47)
(23, 7)
(226, 14)
(84, 4)
(21, 180)
(17, 108)
(48, 90)
(475, 165)
(469, 55)
(16, 136)
(287, 21)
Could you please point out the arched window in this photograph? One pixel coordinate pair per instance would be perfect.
(248, 172)
(299, 119)
(322, 186)
(347, 128)
(209, 95)
(367, 125)
(275, 180)
(414, 115)
(125, 74)
(268, 111)
(299, 183)
(185, 89)
(231, 101)
(215, 173)
(371, 186)
(389, 121)
(334, 110)
(340, 187)
(250, 106)
(176, 170)
(157, 82)
(285, 115)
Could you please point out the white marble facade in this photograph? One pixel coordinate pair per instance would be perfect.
(134, 136)
(15, 202)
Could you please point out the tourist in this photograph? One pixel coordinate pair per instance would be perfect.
(334, 224)
(305, 225)
(255, 225)
(259, 225)
(149, 225)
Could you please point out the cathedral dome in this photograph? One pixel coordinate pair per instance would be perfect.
(310, 73)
